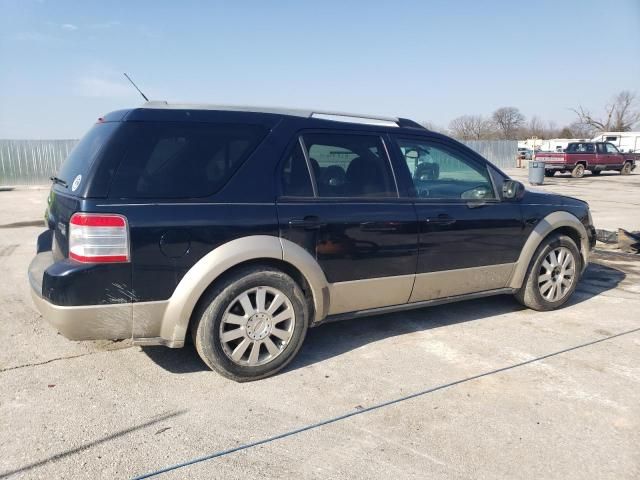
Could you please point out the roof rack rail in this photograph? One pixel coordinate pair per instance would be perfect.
(355, 118)
(319, 114)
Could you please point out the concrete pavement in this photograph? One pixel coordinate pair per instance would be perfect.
(112, 410)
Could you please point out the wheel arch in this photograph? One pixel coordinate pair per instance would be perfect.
(557, 222)
(255, 249)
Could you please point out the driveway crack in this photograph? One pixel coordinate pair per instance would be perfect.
(51, 360)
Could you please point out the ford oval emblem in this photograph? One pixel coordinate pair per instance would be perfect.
(76, 183)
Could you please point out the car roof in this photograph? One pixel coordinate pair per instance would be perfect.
(357, 118)
(297, 112)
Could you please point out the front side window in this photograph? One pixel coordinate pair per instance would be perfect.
(181, 160)
(345, 165)
(440, 173)
(611, 148)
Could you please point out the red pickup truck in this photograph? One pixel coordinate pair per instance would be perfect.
(581, 156)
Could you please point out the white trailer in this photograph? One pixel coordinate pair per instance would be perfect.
(550, 145)
(627, 142)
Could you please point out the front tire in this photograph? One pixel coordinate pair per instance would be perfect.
(626, 169)
(596, 172)
(252, 324)
(553, 274)
(578, 171)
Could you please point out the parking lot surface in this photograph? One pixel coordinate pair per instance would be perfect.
(503, 392)
(614, 199)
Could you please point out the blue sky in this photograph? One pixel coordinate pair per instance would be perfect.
(61, 62)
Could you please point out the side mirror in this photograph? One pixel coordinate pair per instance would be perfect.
(512, 190)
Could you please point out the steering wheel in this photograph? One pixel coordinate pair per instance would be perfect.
(427, 171)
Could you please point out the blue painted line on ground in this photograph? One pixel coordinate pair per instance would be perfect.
(313, 426)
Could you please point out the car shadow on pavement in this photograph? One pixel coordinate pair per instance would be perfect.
(333, 339)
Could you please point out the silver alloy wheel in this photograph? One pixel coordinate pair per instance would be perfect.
(257, 326)
(557, 274)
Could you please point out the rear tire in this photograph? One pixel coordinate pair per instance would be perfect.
(252, 324)
(549, 173)
(596, 172)
(626, 169)
(578, 171)
(553, 274)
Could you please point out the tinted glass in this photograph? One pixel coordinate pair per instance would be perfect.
(295, 175)
(581, 148)
(86, 151)
(438, 173)
(181, 160)
(350, 165)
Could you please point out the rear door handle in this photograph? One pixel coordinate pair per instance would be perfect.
(307, 223)
(442, 219)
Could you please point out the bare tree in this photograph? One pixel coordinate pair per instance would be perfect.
(471, 127)
(621, 115)
(508, 121)
(433, 127)
(577, 130)
(536, 128)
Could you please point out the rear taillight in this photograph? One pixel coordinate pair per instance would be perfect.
(98, 238)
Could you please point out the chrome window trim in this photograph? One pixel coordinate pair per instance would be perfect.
(393, 172)
(312, 174)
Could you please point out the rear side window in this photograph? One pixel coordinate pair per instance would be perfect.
(85, 153)
(345, 165)
(182, 160)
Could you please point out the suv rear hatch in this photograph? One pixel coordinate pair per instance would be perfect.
(72, 184)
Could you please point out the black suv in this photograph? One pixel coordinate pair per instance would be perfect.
(245, 226)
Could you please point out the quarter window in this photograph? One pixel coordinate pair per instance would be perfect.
(181, 160)
(346, 165)
(439, 173)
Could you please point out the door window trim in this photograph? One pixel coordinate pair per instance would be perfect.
(312, 175)
(299, 140)
(473, 158)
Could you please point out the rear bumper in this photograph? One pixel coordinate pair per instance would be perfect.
(140, 322)
(556, 166)
(83, 322)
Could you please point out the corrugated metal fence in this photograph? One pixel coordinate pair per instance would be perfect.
(32, 162)
(502, 153)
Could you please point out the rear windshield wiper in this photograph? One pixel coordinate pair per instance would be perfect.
(59, 181)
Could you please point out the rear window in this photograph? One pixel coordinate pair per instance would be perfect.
(580, 148)
(85, 153)
(181, 160)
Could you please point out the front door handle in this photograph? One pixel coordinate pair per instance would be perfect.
(442, 219)
(308, 223)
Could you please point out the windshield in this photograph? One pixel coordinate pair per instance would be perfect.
(84, 153)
